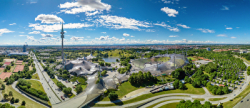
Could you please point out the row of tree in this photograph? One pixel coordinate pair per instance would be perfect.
(195, 104)
(26, 86)
(140, 79)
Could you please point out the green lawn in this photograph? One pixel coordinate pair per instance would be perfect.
(216, 99)
(55, 80)
(191, 58)
(124, 89)
(159, 103)
(170, 105)
(190, 90)
(163, 59)
(35, 76)
(29, 103)
(199, 99)
(237, 99)
(36, 85)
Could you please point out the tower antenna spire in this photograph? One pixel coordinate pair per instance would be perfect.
(62, 36)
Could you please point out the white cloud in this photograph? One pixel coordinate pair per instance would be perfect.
(183, 26)
(21, 32)
(87, 6)
(225, 8)
(88, 36)
(76, 38)
(161, 24)
(4, 30)
(125, 34)
(175, 29)
(31, 38)
(47, 35)
(103, 38)
(23, 35)
(173, 36)
(132, 36)
(120, 22)
(150, 30)
(123, 39)
(13, 24)
(57, 27)
(206, 30)
(103, 32)
(222, 35)
(233, 37)
(48, 19)
(34, 32)
(170, 12)
(229, 28)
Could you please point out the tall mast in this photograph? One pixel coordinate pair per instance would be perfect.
(62, 36)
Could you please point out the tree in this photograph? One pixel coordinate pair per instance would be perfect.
(12, 100)
(67, 90)
(104, 73)
(178, 73)
(207, 105)
(186, 79)
(10, 93)
(176, 84)
(65, 76)
(225, 90)
(23, 103)
(3, 86)
(5, 96)
(79, 89)
(17, 100)
(113, 96)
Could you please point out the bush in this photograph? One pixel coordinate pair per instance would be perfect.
(17, 100)
(79, 89)
(12, 100)
(113, 96)
(23, 103)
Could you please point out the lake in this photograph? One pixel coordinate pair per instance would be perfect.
(111, 59)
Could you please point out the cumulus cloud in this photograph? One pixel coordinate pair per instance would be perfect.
(90, 7)
(132, 36)
(229, 28)
(225, 8)
(13, 24)
(183, 26)
(103, 38)
(170, 12)
(123, 39)
(23, 35)
(173, 36)
(48, 19)
(103, 32)
(206, 30)
(57, 27)
(233, 37)
(76, 38)
(222, 35)
(4, 30)
(125, 34)
(47, 35)
(117, 22)
(34, 32)
(31, 38)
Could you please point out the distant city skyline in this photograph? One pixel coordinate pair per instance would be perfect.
(112, 22)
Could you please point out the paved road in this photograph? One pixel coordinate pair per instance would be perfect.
(51, 95)
(15, 88)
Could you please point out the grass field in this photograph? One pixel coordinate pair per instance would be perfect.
(36, 85)
(170, 105)
(191, 58)
(162, 59)
(29, 103)
(35, 76)
(124, 89)
(237, 99)
(190, 90)
(159, 103)
(216, 99)
(199, 99)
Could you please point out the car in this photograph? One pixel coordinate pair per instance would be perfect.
(247, 99)
(241, 101)
(62, 97)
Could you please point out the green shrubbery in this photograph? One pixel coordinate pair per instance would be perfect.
(142, 79)
(26, 86)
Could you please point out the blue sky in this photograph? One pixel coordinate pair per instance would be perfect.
(95, 22)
